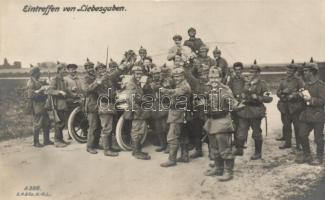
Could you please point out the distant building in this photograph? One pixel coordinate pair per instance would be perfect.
(6, 65)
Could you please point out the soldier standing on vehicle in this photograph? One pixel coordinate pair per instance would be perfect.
(176, 117)
(290, 105)
(219, 126)
(37, 99)
(313, 116)
(136, 113)
(59, 95)
(201, 69)
(193, 42)
(237, 83)
(222, 64)
(89, 85)
(142, 55)
(185, 52)
(255, 94)
(106, 91)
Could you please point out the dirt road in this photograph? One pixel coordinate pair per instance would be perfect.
(72, 173)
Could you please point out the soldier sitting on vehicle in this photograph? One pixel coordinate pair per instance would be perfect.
(193, 42)
(222, 64)
(36, 106)
(185, 52)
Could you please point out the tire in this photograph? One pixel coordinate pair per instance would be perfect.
(78, 125)
(123, 135)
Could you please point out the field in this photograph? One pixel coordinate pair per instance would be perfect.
(13, 121)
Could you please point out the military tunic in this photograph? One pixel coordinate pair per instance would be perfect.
(194, 44)
(136, 113)
(290, 105)
(89, 86)
(313, 117)
(223, 65)
(41, 118)
(60, 104)
(219, 123)
(202, 67)
(176, 116)
(254, 110)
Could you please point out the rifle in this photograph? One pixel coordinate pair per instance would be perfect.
(50, 98)
(107, 56)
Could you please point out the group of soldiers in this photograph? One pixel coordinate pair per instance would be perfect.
(191, 87)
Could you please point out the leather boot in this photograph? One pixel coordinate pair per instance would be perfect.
(307, 158)
(166, 151)
(184, 154)
(137, 151)
(106, 145)
(172, 156)
(218, 168)
(197, 154)
(113, 146)
(36, 139)
(258, 150)
(46, 135)
(286, 145)
(280, 138)
(228, 174)
(299, 157)
(239, 147)
(163, 142)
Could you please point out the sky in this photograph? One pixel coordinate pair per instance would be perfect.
(271, 31)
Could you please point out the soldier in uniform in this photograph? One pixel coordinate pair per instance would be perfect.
(143, 55)
(203, 64)
(222, 64)
(237, 83)
(193, 42)
(106, 95)
(313, 116)
(147, 65)
(73, 87)
(290, 105)
(200, 70)
(136, 113)
(176, 118)
(159, 115)
(219, 127)
(37, 99)
(89, 85)
(255, 94)
(59, 96)
(185, 52)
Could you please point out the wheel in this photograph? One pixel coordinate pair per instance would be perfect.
(123, 135)
(78, 125)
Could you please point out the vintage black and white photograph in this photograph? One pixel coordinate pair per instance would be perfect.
(162, 99)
